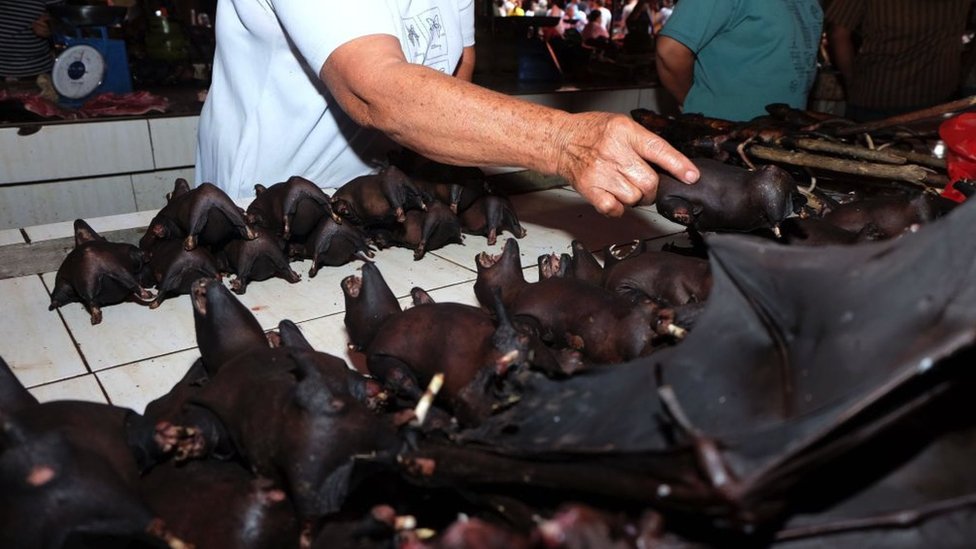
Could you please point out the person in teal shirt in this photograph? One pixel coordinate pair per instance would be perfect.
(730, 58)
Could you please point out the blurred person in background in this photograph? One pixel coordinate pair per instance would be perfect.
(25, 45)
(640, 28)
(625, 12)
(605, 15)
(730, 58)
(909, 58)
(574, 18)
(517, 10)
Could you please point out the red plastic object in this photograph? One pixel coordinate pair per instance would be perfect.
(959, 135)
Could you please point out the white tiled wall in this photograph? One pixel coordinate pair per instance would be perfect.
(92, 169)
(33, 203)
(85, 149)
(150, 189)
(174, 141)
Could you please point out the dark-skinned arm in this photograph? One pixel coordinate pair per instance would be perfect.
(603, 155)
(841, 42)
(675, 67)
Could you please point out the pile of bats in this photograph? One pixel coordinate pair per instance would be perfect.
(894, 149)
(202, 233)
(808, 178)
(818, 395)
(807, 384)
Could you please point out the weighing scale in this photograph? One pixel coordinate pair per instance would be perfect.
(91, 63)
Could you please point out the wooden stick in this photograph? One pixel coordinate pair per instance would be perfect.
(901, 119)
(908, 173)
(921, 159)
(856, 151)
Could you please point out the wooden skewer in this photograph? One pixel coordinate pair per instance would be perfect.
(931, 112)
(819, 145)
(908, 173)
(921, 159)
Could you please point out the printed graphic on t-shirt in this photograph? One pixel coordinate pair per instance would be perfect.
(426, 41)
(805, 40)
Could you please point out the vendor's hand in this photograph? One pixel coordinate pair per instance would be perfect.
(42, 26)
(605, 157)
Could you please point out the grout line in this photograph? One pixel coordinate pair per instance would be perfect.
(137, 361)
(60, 380)
(452, 262)
(101, 388)
(132, 186)
(67, 328)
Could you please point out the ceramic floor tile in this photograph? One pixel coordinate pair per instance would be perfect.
(679, 239)
(458, 293)
(130, 332)
(273, 300)
(402, 273)
(100, 224)
(328, 335)
(80, 388)
(136, 385)
(11, 236)
(567, 211)
(33, 340)
(553, 219)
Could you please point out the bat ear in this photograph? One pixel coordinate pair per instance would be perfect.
(84, 233)
(258, 189)
(420, 297)
(291, 336)
(181, 186)
(311, 391)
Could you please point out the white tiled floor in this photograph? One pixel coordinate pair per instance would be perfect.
(11, 236)
(137, 354)
(35, 342)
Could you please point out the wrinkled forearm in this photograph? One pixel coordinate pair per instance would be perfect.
(443, 118)
(605, 156)
(675, 67)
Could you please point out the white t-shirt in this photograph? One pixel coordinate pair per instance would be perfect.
(268, 116)
(605, 18)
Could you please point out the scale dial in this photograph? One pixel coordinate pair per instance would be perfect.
(78, 71)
